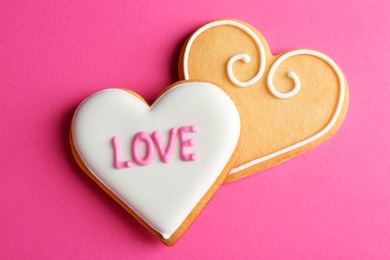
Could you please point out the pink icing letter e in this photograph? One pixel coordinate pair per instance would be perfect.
(187, 142)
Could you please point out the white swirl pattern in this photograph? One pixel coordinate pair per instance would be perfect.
(271, 87)
(244, 57)
(291, 93)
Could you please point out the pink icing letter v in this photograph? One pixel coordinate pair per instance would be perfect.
(165, 154)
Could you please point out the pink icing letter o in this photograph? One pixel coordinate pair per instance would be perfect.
(187, 142)
(150, 151)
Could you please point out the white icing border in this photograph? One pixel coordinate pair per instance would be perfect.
(244, 57)
(271, 87)
(291, 93)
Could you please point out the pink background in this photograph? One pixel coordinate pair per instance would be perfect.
(332, 202)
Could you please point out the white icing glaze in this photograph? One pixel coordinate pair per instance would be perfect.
(244, 57)
(162, 194)
(292, 93)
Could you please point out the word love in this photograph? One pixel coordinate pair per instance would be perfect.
(154, 142)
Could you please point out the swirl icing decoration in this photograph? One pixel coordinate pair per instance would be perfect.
(294, 91)
(242, 56)
(261, 155)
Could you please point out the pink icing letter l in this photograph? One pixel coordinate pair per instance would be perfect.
(118, 163)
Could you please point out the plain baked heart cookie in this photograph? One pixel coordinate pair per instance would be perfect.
(289, 103)
(164, 162)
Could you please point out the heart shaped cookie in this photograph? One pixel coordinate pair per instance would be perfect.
(164, 162)
(289, 103)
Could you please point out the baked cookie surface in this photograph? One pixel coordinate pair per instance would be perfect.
(289, 103)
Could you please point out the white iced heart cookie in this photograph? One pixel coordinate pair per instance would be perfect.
(163, 162)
